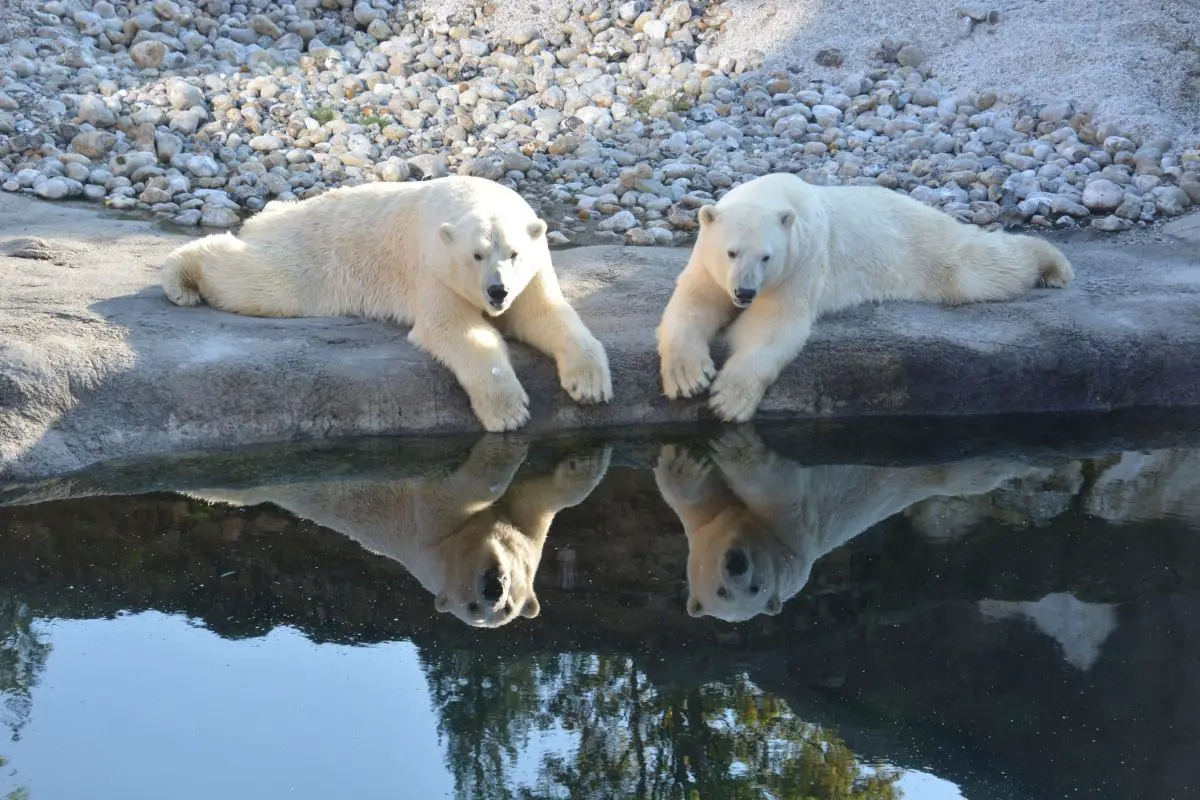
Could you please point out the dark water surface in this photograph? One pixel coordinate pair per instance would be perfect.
(1000, 611)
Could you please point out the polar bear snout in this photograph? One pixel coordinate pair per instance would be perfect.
(743, 296)
(736, 563)
(491, 586)
(739, 574)
(496, 294)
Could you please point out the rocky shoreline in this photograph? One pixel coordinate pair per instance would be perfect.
(621, 123)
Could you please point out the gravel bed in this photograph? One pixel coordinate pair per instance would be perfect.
(617, 120)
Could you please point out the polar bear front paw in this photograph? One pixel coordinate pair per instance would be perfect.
(585, 375)
(735, 395)
(687, 374)
(502, 408)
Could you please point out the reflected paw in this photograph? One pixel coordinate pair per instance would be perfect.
(681, 471)
(496, 453)
(585, 469)
(739, 447)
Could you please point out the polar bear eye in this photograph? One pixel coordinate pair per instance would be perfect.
(721, 592)
(732, 253)
(513, 256)
(766, 258)
(479, 256)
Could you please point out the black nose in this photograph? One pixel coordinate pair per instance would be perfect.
(736, 563)
(497, 292)
(493, 590)
(744, 295)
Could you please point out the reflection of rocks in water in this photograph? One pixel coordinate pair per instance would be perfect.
(1026, 501)
(1145, 485)
(473, 539)
(565, 556)
(1079, 628)
(756, 522)
(1132, 486)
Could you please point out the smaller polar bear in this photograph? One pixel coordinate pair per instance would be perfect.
(460, 259)
(756, 523)
(473, 539)
(787, 252)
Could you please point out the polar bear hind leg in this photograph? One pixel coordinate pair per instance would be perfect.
(183, 270)
(224, 272)
(1000, 266)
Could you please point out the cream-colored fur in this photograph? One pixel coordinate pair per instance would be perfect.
(473, 539)
(421, 254)
(756, 523)
(805, 251)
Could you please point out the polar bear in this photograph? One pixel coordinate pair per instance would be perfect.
(462, 260)
(756, 523)
(473, 539)
(786, 252)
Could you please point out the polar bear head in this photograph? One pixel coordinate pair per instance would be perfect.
(746, 246)
(494, 256)
(488, 567)
(737, 568)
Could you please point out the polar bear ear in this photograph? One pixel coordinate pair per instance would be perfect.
(707, 215)
(537, 229)
(446, 231)
(788, 218)
(531, 608)
(441, 603)
(694, 607)
(773, 605)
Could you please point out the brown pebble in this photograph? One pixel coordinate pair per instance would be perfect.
(830, 57)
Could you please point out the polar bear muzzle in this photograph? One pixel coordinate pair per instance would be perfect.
(742, 297)
(491, 587)
(496, 294)
(736, 563)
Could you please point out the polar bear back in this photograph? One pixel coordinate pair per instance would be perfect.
(868, 243)
(369, 250)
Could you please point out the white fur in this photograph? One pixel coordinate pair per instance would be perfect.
(812, 250)
(782, 517)
(449, 532)
(406, 252)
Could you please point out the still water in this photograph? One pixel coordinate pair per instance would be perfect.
(726, 617)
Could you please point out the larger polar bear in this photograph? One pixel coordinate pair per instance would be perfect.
(756, 522)
(460, 259)
(787, 251)
(473, 539)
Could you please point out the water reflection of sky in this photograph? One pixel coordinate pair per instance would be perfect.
(148, 705)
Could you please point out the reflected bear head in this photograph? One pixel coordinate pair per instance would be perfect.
(489, 573)
(736, 568)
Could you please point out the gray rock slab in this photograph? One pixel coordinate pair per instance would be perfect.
(96, 364)
(1185, 228)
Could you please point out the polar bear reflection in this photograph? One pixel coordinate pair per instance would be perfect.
(471, 539)
(756, 523)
